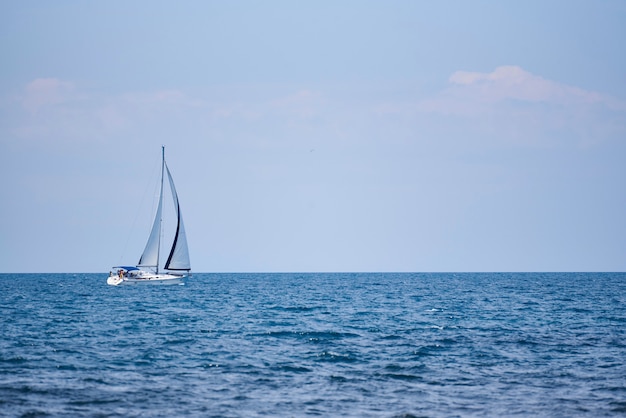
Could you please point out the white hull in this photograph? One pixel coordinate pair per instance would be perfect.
(147, 279)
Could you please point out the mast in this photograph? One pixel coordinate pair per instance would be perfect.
(160, 213)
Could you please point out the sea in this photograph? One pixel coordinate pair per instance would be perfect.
(315, 344)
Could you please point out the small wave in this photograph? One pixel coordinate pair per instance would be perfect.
(428, 350)
(179, 341)
(298, 309)
(93, 402)
(333, 357)
(392, 337)
(96, 380)
(68, 367)
(399, 372)
(402, 376)
(14, 360)
(210, 365)
(292, 369)
(618, 406)
(309, 335)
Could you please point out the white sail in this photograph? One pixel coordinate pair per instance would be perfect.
(179, 254)
(150, 256)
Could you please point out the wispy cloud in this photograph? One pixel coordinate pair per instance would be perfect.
(46, 91)
(172, 97)
(512, 82)
(60, 109)
(513, 103)
(472, 91)
(506, 104)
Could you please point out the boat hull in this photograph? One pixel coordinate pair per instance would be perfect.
(153, 280)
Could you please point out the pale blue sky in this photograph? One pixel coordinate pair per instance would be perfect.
(316, 136)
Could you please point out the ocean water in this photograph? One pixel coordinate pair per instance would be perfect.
(290, 345)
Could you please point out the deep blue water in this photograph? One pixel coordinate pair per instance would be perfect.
(366, 344)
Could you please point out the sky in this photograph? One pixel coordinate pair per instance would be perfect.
(316, 136)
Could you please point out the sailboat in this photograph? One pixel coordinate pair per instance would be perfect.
(177, 266)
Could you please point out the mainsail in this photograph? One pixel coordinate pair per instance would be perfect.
(150, 256)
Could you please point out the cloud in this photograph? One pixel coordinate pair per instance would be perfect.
(506, 104)
(514, 104)
(473, 91)
(46, 91)
(171, 97)
(512, 82)
(300, 97)
(54, 110)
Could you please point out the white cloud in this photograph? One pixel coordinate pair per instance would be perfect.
(508, 73)
(512, 82)
(58, 109)
(515, 104)
(298, 98)
(507, 104)
(470, 89)
(173, 97)
(46, 91)
(111, 118)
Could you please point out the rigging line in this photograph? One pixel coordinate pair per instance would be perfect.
(139, 210)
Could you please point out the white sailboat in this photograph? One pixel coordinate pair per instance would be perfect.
(176, 268)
